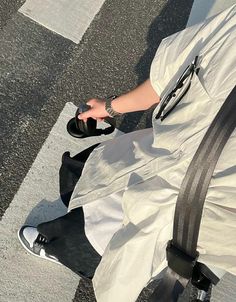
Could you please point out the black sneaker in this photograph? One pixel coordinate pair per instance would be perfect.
(34, 242)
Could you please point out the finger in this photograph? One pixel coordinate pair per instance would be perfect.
(91, 102)
(82, 117)
(84, 120)
(85, 114)
(94, 118)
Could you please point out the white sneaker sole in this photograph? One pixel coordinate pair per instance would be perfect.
(42, 255)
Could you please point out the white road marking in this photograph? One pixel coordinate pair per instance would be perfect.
(69, 18)
(23, 276)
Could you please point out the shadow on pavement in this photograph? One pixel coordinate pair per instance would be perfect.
(45, 211)
(173, 18)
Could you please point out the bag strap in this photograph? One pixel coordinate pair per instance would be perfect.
(182, 249)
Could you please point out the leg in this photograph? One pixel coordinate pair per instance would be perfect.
(69, 244)
(63, 240)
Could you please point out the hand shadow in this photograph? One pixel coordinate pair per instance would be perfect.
(45, 211)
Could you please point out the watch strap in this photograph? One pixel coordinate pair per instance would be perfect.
(109, 108)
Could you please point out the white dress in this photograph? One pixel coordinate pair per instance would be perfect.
(149, 166)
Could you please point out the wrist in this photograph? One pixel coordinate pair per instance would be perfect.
(110, 108)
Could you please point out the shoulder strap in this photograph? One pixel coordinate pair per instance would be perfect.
(182, 249)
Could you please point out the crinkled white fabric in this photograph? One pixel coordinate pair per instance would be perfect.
(153, 162)
(102, 218)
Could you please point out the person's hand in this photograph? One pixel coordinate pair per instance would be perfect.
(97, 111)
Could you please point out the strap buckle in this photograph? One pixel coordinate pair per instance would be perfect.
(187, 267)
(203, 277)
(179, 261)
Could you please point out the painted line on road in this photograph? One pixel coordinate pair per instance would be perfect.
(69, 18)
(23, 276)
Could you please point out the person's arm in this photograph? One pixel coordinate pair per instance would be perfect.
(140, 98)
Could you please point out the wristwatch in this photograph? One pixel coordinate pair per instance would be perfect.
(108, 107)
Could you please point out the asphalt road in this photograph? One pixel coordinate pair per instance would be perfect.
(40, 71)
(8, 9)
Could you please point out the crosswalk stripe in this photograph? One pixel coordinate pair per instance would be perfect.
(69, 18)
(25, 277)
